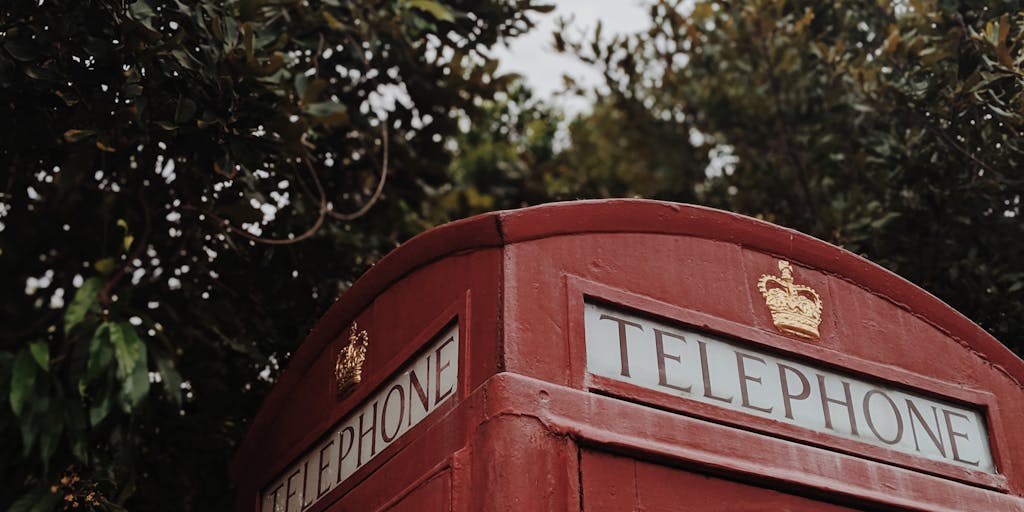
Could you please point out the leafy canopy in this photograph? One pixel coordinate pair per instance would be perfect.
(892, 129)
(161, 160)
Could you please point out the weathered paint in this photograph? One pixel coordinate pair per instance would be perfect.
(530, 428)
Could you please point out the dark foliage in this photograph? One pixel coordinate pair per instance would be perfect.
(159, 160)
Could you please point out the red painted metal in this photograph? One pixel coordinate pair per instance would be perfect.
(530, 429)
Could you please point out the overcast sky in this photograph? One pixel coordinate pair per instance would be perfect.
(534, 57)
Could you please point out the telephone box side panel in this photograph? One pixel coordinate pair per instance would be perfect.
(711, 286)
(460, 290)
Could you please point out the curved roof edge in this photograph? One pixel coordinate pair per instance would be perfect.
(660, 217)
(496, 229)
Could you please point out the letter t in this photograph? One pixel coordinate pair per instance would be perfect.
(623, 355)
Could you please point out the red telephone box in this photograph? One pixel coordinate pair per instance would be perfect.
(636, 355)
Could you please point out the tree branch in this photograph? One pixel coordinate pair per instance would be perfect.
(380, 183)
(324, 211)
(283, 241)
(140, 246)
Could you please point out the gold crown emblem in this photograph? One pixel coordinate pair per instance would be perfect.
(795, 308)
(348, 369)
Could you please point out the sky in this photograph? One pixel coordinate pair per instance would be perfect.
(534, 56)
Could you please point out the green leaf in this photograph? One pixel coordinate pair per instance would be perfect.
(123, 224)
(128, 348)
(325, 108)
(52, 428)
(327, 112)
(169, 376)
(100, 407)
(75, 426)
(41, 352)
(435, 9)
(77, 135)
(332, 22)
(130, 351)
(29, 433)
(128, 239)
(132, 90)
(101, 355)
(142, 12)
(105, 266)
(84, 300)
(1000, 112)
(185, 59)
(888, 217)
(136, 387)
(300, 82)
(23, 379)
(79, 446)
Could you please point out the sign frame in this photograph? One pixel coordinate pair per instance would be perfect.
(455, 315)
(579, 291)
(424, 383)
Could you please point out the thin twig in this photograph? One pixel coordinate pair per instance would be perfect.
(284, 241)
(380, 183)
(324, 210)
(319, 52)
(961, 149)
(140, 247)
(939, 132)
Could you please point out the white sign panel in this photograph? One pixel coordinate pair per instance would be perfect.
(699, 366)
(399, 405)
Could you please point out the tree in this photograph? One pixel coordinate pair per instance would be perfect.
(505, 158)
(892, 129)
(161, 162)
